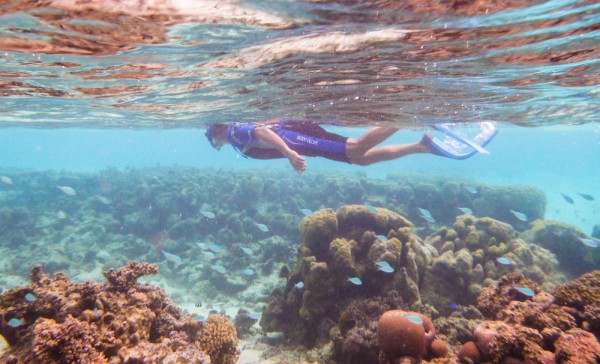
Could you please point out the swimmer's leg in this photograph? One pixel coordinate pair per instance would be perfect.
(390, 152)
(360, 146)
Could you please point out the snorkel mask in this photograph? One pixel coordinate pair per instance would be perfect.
(209, 136)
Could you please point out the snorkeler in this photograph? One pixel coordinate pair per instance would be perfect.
(294, 139)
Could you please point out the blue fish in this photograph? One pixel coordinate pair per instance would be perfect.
(384, 266)
(198, 317)
(15, 322)
(526, 291)
(453, 306)
(425, 214)
(255, 315)
(175, 259)
(589, 242)
(306, 212)
(30, 297)
(207, 214)
(248, 251)
(262, 227)
(219, 268)
(519, 215)
(299, 285)
(414, 318)
(355, 281)
(470, 189)
(215, 248)
(371, 208)
(505, 261)
(465, 210)
(248, 272)
(381, 237)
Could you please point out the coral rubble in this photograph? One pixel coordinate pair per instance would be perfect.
(54, 320)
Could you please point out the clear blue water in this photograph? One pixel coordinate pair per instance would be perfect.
(89, 91)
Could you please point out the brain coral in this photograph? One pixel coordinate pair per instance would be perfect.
(54, 320)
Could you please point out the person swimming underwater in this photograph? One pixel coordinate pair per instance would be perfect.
(295, 139)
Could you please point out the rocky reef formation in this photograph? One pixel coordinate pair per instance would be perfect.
(357, 255)
(563, 240)
(528, 325)
(54, 320)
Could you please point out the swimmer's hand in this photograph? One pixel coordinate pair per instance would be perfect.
(297, 161)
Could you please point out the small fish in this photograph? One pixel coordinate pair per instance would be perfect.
(248, 272)
(69, 191)
(453, 306)
(215, 248)
(61, 215)
(425, 214)
(248, 251)
(30, 297)
(198, 304)
(102, 199)
(465, 210)
(371, 208)
(355, 281)
(255, 315)
(219, 268)
(414, 318)
(381, 237)
(299, 285)
(384, 267)
(207, 214)
(198, 317)
(470, 189)
(262, 227)
(586, 196)
(526, 291)
(15, 322)
(209, 255)
(567, 198)
(519, 215)
(589, 242)
(202, 246)
(176, 259)
(505, 261)
(306, 212)
(6, 180)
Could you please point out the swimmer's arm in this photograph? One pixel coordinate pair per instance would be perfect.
(268, 136)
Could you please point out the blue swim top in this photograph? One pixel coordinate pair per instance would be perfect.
(240, 134)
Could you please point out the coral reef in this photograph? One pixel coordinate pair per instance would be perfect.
(54, 320)
(562, 239)
(406, 337)
(468, 260)
(526, 324)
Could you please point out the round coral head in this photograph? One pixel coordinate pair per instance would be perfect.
(399, 336)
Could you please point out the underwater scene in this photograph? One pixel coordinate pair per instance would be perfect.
(309, 181)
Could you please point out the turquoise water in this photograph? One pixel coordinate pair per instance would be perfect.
(113, 101)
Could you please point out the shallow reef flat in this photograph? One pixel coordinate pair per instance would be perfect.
(307, 264)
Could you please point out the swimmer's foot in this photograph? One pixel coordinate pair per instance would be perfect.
(427, 145)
